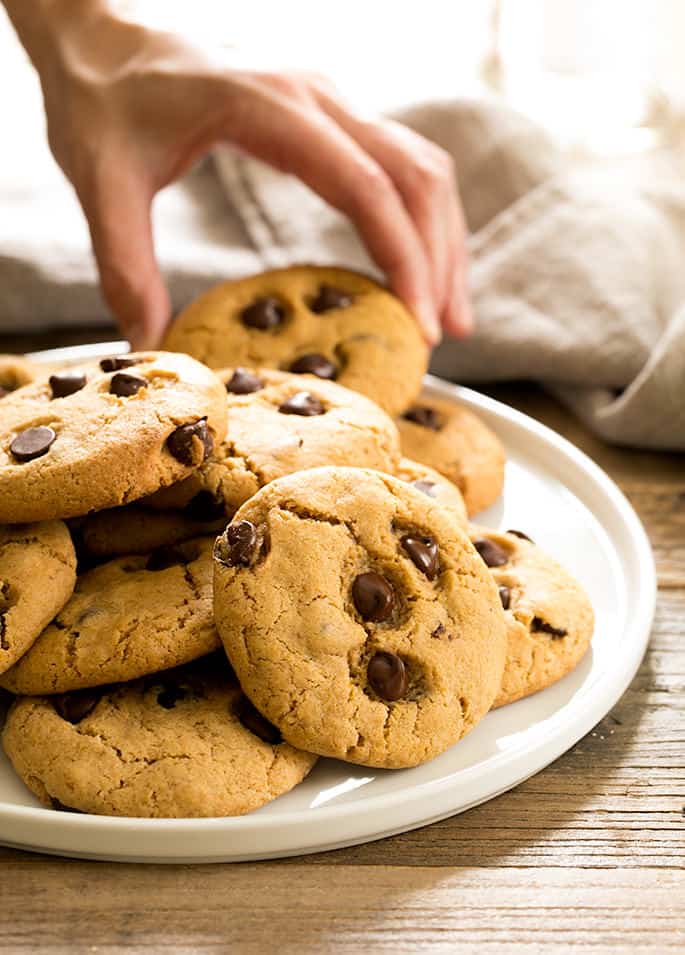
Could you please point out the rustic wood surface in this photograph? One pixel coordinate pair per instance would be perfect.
(587, 856)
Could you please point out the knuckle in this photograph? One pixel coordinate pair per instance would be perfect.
(289, 84)
(370, 185)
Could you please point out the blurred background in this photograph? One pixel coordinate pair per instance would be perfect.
(604, 76)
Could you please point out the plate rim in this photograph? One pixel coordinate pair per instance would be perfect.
(521, 762)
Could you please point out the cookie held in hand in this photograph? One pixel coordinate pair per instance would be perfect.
(313, 321)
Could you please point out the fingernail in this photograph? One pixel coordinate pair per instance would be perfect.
(425, 313)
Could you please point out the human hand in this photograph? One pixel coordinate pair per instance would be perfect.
(130, 109)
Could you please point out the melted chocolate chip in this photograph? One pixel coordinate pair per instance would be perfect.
(165, 557)
(124, 385)
(264, 314)
(426, 487)
(3, 632)
(237, 545)
(423, 552)
(191, 443)
(328, 298)
(492, 553)
(425, 416)
(170, 695)
(373, 596)
(74, 707)
(243, 382)
(117, 362)
(314, 364)
(539, 625)
(257, 724)
(524, 537)
(205, 507)
(66, 383)
(387, 676)
(505, 597)
(32, 443)
(302, 403)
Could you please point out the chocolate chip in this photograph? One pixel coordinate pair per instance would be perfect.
(423, 552)
(124, 385)
(505, 597)
(373, 596)
(257, 724)
(387, 675)
(302, 403)
(165, 557)
(117, 362)
(66, 383)
(3, 391)
(314, 364)
(237, 544)
(74, 707)
(243, 382)
(492, 553)
(264, 314)
(4, 645)
(171, 695)
(32, 443)
(539, 625)
(191, 443)
(205, 507)
(524, 537)
(329, 298)
(426, 487)
(438, 632)
(425, 416)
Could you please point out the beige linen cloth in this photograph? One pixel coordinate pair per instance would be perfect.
(577, 274)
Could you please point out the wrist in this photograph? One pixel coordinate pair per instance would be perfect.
(50, 29)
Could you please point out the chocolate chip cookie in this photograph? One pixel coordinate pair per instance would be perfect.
(37, 577)
(435, 485)
(549, 616)
(358, 617)
(182, 743)
(456, 443)
(15, 372)
(129, 617)
(323, 322)
(280, 423)
(101, 435)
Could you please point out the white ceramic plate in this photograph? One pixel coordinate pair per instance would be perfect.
(572, 509)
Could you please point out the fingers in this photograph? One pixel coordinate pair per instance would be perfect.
(117, 206)
(300, 139)
(425, 178)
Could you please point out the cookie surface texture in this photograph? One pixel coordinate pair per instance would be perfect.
(285, 423)
(37, 577)
(182, 743)
(434, 485)
(549, 616)
(127, 618)
(101, 435)
(358, 617)
(312, 320)
(459, 445)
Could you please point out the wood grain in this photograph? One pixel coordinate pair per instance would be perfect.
(588, 855)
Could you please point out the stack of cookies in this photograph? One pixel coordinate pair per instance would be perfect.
(223, 560)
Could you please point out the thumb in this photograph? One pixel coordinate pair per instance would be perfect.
(118, 212)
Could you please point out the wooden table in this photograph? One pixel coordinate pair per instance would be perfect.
(588, 856)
